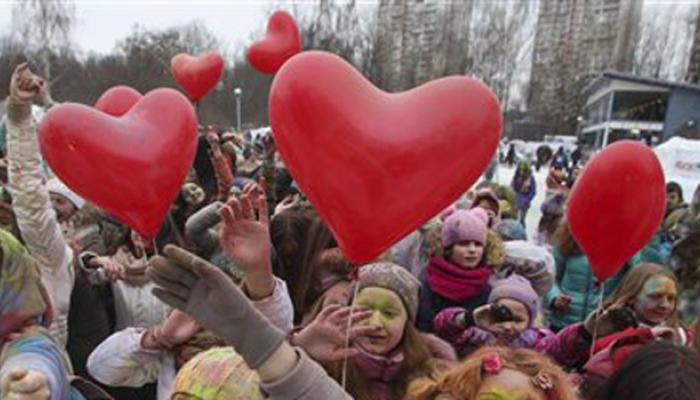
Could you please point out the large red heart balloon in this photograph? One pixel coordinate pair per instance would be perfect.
(281, 42)
(377, 165)
(132, 166)
(118, 100)
(616, 205)
(197, 75)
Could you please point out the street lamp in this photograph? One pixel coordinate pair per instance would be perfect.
(237, 92)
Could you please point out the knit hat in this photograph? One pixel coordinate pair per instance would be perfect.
(56, 186)
(517, 288)
(510, 229)
(554, 205)
(465, 225)
(218, 373)
(395, 278)
(530, 261)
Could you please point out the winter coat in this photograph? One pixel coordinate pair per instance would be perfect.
(525, 194)
(134, 304)
(121, 361)
(575, 277)
(37, 221)
(568, 347)
(431, 303)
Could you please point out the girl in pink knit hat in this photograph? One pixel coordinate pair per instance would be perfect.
(459, 278)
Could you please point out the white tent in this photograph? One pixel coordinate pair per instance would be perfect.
(680, 159)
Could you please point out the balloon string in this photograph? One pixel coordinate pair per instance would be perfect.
(347, 334)
(599, 311)
(155, 248)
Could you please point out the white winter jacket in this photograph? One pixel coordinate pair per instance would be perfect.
(37, 221)
(121, 361)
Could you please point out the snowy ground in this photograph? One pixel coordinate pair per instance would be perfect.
(504, 175)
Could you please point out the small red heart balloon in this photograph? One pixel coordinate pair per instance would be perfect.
(281, 42)
(132, 166)
(377, 165)
(616, 205)
(118, 100)
(197, 75)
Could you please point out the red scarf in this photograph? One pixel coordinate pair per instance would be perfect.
(454, 282)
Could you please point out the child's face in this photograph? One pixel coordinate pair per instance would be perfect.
(510, 330)
(673, 199)
(558, 173)
(511, 385)
(388, 313)
(489, 206)
(467, 254)
(657, 301)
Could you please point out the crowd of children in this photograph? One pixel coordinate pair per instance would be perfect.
(245, 294)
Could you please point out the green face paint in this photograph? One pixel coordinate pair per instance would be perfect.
(388, 313)
(657, 301)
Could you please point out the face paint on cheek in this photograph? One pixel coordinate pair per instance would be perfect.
(501, 394)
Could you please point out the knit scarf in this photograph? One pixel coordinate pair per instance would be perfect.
(380, 371)
(24, 301)
(454, 282)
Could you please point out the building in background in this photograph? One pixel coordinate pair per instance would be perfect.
(693, 75)
(420, 40)
(575, 41)
(625, 106)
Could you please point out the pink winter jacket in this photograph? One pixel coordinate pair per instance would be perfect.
(569, 347)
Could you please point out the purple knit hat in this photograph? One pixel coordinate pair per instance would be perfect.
(465, 225)
(517, 288)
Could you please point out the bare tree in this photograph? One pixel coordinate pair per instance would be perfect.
(652, 47)
(44, 27)
(503, 36)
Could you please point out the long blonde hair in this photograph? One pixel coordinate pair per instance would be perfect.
(633, 284)
(464, 381)
(418, 363)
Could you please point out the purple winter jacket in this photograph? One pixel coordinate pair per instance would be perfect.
(569, 347)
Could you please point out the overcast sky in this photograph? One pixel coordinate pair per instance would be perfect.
(101, 23)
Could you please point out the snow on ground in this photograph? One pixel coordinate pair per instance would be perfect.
(504, 175)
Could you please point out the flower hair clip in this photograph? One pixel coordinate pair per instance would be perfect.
(492, 364)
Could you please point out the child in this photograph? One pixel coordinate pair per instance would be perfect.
(395, 353)
(575, 293)
(495, 373)
(552, 212)
(509, 320)
(524, 185)
(460, 277)
(218, 373)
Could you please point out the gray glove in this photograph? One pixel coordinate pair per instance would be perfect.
(189, 283)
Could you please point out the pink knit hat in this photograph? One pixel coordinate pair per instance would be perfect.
(465, 225)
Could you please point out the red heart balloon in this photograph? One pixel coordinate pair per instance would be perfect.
(281, 42)
(132, 166)
(377, 165)
(197, 75)
(118, 100)
(616, 205)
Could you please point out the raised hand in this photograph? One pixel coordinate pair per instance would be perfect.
(113, 270)
(606, 322)
(177, 329)
(201, 290)
(325, 338)
(245, 239)
(21, 383)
